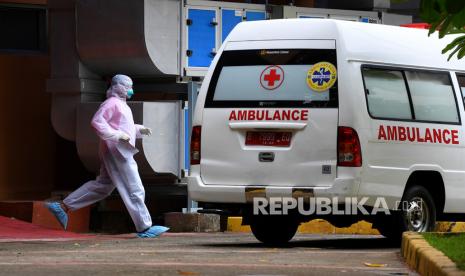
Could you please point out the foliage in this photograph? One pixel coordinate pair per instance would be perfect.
(446, 17)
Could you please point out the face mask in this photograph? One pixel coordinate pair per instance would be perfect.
(130, 93)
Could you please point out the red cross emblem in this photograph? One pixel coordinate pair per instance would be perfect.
(272, 77)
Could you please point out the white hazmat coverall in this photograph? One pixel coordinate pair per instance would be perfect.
(115, 126)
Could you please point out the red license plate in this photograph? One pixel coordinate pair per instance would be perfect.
(272, 139)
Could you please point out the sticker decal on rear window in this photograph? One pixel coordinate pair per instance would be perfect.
(272, 77)
(322, 76)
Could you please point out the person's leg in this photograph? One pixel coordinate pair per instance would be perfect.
(87, 194)
(91, 192)
(125, 176)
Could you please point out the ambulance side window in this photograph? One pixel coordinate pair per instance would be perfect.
(387, 94)
(432, 96)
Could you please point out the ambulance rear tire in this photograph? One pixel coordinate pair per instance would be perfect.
(273, 230)
(417, 214)
(418, 210)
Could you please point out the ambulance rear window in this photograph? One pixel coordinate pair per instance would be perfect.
(275, 78)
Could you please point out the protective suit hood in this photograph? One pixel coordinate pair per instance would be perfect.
(120, 85)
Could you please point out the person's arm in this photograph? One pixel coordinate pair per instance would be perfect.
(101, 126)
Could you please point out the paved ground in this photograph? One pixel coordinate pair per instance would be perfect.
(201, 254)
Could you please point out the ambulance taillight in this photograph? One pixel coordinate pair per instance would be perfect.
(195, 145)
(349, 151)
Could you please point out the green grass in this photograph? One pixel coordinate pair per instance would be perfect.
(453, 246)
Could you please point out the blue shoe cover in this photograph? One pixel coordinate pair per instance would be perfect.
(153, 232)
(58, 212)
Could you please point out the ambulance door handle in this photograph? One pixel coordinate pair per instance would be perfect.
(266, 156)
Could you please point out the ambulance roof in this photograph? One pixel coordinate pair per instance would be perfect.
(368, 43)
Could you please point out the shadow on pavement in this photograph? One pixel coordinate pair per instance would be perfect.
(326, 242)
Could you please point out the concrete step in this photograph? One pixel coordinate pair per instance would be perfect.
(192, 222)
(21, 210)
(78, 221)
(36, 213)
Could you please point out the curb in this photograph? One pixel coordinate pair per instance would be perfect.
(316, 226)
(424, 258)
(235, 225)
(320, 226)
(452, 227)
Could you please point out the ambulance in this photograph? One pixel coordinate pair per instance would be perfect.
(320, 108)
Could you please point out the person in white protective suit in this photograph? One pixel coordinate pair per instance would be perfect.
(115, 126)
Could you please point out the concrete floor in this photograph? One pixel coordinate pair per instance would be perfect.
(201, 254)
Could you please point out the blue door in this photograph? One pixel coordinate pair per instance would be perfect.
(229, 21)
(201, 37)
(255, 15)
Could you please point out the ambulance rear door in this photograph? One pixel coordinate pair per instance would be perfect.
(271, 115)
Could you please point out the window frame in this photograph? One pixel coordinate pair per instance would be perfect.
(457, 75)
(43, 34)
(333, 103)
(412, 110)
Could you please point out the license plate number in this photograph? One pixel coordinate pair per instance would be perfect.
(272, 139)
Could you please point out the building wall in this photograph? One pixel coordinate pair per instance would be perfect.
(27, 140)
(27, 2)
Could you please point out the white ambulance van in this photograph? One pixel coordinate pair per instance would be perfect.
(326, 108)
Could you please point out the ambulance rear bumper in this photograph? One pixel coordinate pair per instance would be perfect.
(217, 193)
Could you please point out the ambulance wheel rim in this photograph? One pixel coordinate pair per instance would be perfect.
(417, 215)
